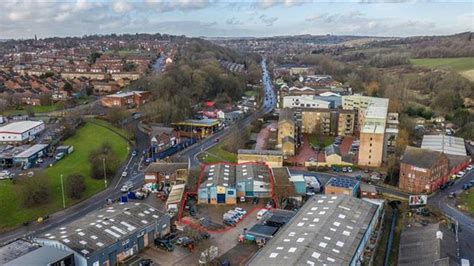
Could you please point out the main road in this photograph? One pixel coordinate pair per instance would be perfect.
(135, 175)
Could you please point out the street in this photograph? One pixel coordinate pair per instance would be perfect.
(134, 173)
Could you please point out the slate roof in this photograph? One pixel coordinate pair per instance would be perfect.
(419, 157)
(424, 246)
(165, 168)
(42, 256)
(104, 227)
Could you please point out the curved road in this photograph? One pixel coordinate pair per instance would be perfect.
(134, 173)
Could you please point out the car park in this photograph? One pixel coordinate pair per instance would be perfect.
(229, 222)
(164, 244)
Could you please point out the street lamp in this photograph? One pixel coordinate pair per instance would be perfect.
(62, 192)
(105, 172)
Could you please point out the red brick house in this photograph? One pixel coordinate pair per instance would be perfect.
(422, 170)
(133, 98)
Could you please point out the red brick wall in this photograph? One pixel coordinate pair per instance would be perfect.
(417, 181)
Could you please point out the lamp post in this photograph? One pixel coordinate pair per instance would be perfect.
(105, 172)
(62, 192)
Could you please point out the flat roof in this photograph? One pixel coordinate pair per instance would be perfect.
(326, 230)
(104, 227)
(447, 144)
(199, 122)
(32, 150)
(176, 194)
(374, 129)
(42, 256)
(260, 152)
(376, 112)
(342, 182)
(20, 126)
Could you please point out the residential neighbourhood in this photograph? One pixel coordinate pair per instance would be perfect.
(239, 141)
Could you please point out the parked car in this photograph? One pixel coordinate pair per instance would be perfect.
(349, 169)
(126, 187)
(242, 199)
(184, 241)
(240, 210)
(443, 186)
(235, 213)
(261, 213)
(466, 186)
(164, 244)
(344, 169)
(134, 153)
(255, 200)
(229, 222)
(452, 195)
(59, 156)
(204, 234)
(460, 174)
(450, 183)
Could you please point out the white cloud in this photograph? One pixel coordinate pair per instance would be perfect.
(264, 4)
(121, 6)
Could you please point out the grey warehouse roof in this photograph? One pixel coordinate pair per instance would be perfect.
(42, 256)
(103, 227)
(447, 144)
(226, 175)
(327, 230)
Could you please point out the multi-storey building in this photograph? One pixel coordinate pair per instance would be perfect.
(422, 170)
(371, 147)
(286, 131)
(328, 121)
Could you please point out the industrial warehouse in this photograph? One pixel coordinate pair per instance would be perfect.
(328, 229)
(223, 182)
(109, 235)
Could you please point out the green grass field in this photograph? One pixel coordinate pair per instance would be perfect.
(467, 199)
(87, 138)
(458, 64)
(219, 154)
(316, 140)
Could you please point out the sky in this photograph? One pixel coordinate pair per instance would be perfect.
(243, 18)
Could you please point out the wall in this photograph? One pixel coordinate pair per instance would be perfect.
(371, 149)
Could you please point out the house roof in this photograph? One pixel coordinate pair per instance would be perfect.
(326, 230)
(104, 227)
(419, 157)
(433, 244)
(42, 256)
(165, 168)
(286, 114)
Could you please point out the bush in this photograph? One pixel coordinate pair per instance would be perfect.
(75, 186)
(35, 190)
(98, 157)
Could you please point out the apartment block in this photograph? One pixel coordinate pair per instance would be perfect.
(286, 131)
(328, 122)
(371, 147)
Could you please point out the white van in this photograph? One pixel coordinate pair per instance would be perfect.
(261, 213)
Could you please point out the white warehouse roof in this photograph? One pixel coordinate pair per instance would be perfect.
(20, 126)
(446, 144)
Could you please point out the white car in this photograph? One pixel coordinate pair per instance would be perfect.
(240, 210)
(469, 168)
(460, 174)
(124, 174)
(126, 187)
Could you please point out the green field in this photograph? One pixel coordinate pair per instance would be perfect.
(467, 200)
(322, 142)
(88, 137)
(458, 64)
(219, 154)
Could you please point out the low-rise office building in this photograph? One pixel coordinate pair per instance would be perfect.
(132, 98)
(20, 131)
(422, 170)
(110, 235)
(342, 185)
(328, 229)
